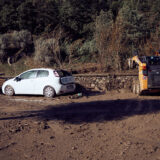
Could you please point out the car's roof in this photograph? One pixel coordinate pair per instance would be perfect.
(40, 69)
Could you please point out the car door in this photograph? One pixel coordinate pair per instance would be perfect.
(41, 81)
(26, 83)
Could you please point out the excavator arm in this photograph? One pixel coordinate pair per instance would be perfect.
(142, 66)
(136, 60)
(142, 73)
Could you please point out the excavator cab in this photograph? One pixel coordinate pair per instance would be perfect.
(153, 69)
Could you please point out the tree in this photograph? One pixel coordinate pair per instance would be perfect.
(104, 24)
(7, 18)
(26, 16)
(37, 16)
(135, 25)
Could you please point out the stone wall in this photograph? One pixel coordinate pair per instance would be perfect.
(106, 82)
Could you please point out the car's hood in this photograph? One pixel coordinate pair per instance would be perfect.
(9, 80)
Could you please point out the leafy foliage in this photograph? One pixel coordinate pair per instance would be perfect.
(15, 45)
(95, 28)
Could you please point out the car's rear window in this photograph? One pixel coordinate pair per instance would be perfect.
(63, 73)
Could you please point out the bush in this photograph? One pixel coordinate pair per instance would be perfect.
(88, 51)
(43, 50)
(14, 44)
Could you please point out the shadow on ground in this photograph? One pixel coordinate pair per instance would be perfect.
(87, 91)
(96, 111)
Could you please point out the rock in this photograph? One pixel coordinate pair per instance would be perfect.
(93, 85)
(52, 137)
(74, 148)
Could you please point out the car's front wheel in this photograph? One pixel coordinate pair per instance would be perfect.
(48, 92)
(9, 91)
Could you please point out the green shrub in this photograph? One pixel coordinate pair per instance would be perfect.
(14, 44)
(88, 51)
(47, 51)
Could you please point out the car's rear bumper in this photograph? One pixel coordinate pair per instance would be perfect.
(68, 88)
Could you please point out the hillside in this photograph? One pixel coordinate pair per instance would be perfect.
(58, 33)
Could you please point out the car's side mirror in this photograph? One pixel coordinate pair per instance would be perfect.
(17, 79)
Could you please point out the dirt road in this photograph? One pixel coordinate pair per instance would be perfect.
(110, 126)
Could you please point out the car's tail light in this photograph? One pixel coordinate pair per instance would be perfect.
(56, 74)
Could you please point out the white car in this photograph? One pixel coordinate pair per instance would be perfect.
(40, 81)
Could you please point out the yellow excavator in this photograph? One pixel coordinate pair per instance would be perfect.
(148, 74)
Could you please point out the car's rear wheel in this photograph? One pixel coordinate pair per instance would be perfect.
(9, 91)
(49, 92)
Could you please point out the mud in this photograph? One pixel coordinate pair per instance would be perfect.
(96, 126)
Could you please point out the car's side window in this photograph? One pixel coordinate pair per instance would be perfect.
(28, 75)
(42, 73)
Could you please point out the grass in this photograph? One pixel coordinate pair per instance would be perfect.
(14, 69)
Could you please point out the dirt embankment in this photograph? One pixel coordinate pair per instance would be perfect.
(112, 126)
